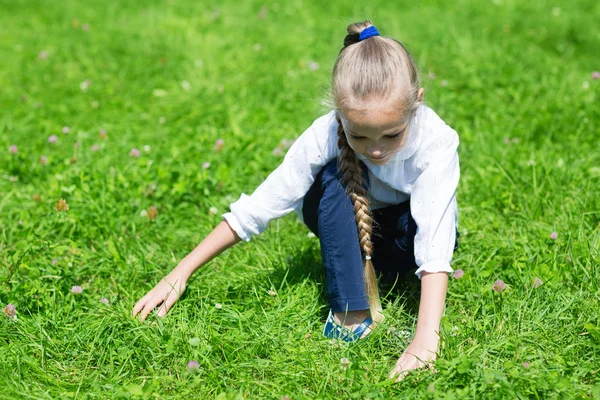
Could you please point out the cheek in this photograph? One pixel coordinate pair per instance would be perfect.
(356, 146)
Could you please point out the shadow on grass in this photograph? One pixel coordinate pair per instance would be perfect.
(307, 264)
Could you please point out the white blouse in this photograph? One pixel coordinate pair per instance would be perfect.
(425, 170)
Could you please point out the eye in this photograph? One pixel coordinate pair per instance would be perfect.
(357, 137)
(395, 135)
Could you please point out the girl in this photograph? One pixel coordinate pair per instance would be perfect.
(375, 180)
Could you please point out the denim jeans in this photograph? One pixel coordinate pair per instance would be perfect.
(329, 213)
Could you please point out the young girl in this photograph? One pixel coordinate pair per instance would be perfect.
(375, 180)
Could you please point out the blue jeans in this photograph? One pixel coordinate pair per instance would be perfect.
(329, 213)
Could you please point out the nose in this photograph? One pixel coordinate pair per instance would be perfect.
(376, 151)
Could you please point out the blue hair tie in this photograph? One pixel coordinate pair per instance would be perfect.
(368, 32)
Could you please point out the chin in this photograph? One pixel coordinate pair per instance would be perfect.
(382, 161)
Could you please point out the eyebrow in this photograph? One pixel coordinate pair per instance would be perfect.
(387, 134)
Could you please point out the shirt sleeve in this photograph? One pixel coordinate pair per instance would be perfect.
(433, 205)
(286, 186)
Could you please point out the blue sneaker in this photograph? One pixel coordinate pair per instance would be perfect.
(335, 331)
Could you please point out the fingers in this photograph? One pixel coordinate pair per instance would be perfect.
(139, 305)
(148, 309)
(399, 373)
(167, 304)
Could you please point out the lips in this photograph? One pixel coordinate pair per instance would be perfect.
(377, 158)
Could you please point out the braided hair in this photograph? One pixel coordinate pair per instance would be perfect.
(377, 66)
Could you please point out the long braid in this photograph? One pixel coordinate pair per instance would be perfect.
(351, 174)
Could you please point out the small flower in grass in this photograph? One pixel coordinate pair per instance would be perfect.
(95, 147)
(85, 85)
(13, 149)
(43, 160)
(147, 148)
(277, 151)
(205, 165)
(525, 365)
(102, 134)
(10, 310)
(431, 75)
(537, 282)
(308, 336)
(185, 85)
(595, 75)
(218, 306)
(554, 236)
(499, 286)
(104, 300)
(66, 129)
(311, 235)
(443, 83)
(219, 145)
(313, 66)
(85, 27)
(152, 213)
(52, 139)
(12, 178)
(506, 141)
(76, 145)
(43, 54)
(134, 152)
(76, 289)
(344, 362)
(213, 211)
(286, 398)
(272, 292)
(61, 205)
(37, 198)
(459, 273)
(193, 365)
(54, 261)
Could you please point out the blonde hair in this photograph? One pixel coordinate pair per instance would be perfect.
(369, 70)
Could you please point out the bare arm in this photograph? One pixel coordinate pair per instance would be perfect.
(220, 239)
(424, 346)
(171, 287)
(431, 308)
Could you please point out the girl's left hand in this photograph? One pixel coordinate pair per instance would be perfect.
(421, 352)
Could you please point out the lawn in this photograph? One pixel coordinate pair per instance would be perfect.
(150, 118)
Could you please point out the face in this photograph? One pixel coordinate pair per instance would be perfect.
(377, 132)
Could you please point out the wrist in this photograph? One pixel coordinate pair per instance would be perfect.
(428, 335)
(182, 271)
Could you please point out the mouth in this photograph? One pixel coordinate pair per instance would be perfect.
(377, 158)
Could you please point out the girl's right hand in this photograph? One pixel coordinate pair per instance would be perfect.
(165, 294)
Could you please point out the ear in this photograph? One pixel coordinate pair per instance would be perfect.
(420, 95)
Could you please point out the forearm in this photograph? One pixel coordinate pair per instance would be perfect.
(431, 308)
(219, 240)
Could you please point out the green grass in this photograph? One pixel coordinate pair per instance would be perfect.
(503, 69)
